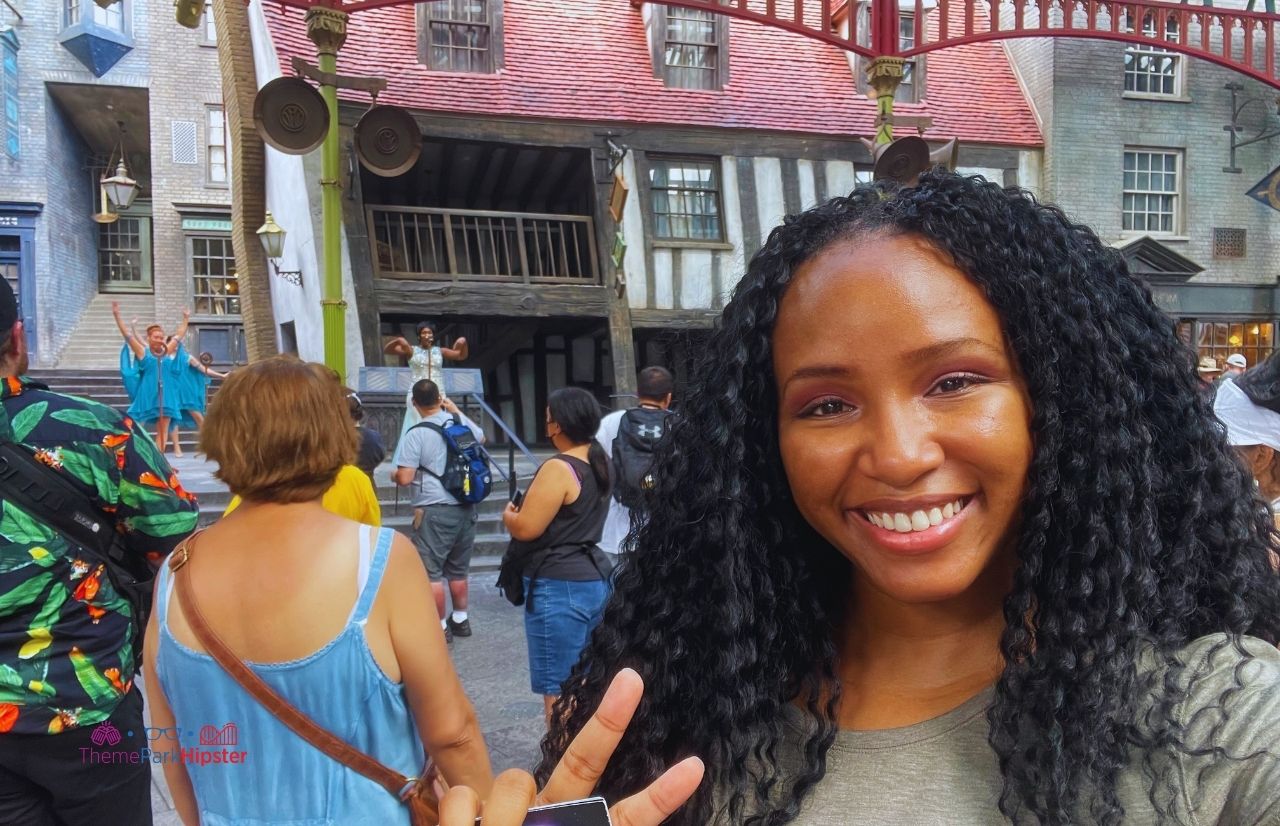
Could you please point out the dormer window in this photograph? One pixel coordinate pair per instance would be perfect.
(460, 35)
(690, 47)
(912, 87)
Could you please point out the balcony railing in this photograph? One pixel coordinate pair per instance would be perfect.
(469, 245)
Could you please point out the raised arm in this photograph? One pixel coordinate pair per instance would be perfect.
(181, 334)
(458, 352)
(135, 344)
(398, 347)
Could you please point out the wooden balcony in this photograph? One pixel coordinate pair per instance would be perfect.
(427, 244)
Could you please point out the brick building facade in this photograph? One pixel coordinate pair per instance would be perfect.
(89, 81)
(1109, 114)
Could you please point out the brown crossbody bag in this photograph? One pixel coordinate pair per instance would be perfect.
(418, 794)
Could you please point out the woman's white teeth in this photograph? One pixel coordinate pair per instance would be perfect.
(920, 520)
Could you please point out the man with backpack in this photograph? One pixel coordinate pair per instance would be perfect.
(442, 456)
(73, 594)
(629, 437)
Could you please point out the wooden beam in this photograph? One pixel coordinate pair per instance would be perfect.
(644, 319)
(439, 298)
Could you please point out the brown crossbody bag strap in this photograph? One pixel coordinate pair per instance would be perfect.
(416, 793)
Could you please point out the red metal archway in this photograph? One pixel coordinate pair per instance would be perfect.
(1245, 41)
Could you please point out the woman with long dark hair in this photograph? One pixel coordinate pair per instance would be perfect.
(557, 531)
(946, 534)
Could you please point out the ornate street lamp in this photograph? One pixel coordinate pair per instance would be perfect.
(186, 12)
(272, 237)
(120, 188)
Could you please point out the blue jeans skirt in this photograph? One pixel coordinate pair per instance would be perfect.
(558, 626)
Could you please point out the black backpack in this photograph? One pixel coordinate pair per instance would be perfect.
(639, 432)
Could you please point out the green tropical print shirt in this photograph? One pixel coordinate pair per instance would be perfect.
(67, 656)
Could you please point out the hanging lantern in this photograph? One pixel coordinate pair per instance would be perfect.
(186, 12)
(272, 236)
(120, 188)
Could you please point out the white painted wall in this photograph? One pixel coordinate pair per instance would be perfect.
(289, 197)
(695, 279)
(633, 265)
(732, 264)
(769, 198)
(808, 193)
(840, 178)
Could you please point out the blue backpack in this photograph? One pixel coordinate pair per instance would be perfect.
(466, 474)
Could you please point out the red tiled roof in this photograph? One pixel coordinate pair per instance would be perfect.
(588, 60)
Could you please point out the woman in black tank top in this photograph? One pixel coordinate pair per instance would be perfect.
(559, 523)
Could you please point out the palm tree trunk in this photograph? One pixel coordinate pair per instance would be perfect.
(248, 168)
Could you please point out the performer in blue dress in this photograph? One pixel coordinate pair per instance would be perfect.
(192, 381)
(150, 370)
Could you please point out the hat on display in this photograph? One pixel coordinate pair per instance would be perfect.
(1237, 360)
(1247, 423)
(8, 306)
(1208, 364)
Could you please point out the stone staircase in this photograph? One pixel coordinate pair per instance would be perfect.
(96, 342)
(491, 536)
(105, 386)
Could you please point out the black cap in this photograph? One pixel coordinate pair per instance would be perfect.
(8, 306)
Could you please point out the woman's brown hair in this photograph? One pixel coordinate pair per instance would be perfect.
(279, 431)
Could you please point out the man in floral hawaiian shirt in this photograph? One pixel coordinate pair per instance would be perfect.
(67, 656)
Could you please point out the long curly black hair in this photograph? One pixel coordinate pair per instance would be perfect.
(1139, 532)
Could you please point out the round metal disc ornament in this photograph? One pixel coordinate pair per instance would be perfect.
(388, 141)
(290, 115)
(903, 160)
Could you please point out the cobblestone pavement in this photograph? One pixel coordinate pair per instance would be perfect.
(494, 668)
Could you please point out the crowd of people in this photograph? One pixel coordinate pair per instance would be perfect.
(946, 530)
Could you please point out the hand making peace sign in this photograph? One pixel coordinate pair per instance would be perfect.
(515, 792)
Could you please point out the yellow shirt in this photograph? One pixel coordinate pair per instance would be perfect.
(352, 495)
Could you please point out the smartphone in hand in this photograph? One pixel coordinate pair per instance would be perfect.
(590, 812)
(517, 498)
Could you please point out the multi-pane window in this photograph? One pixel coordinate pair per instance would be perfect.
(213, 275)
(691, 55)
(911, 87)
(210, 28)
(458, 35)
(686, 198)
(1152, 191)
(1252, 338)
(216, 145)
(9, 92)
(907, 91)
(1150, 69)
(112, 17)
(70, 12)
(121, 260)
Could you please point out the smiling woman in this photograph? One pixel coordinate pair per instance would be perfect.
(946, 534)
